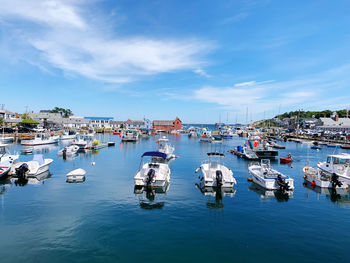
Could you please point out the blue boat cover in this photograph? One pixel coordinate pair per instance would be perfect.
(157, 154)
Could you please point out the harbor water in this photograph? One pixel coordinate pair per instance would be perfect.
(104, 220)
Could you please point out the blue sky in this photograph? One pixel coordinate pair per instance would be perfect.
(198, 60)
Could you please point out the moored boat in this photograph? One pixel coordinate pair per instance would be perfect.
(154, 173)
(214, 173)
(263, 175)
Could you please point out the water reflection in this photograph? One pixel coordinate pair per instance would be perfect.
(37, 180)
(281, 196)
(44, 148)
(148, 196)
(217, 193)
(339, 196)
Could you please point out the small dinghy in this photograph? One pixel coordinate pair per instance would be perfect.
(288, 159)
(77, 175)
(68, 150)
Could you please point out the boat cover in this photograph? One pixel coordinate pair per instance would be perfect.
(157, 154)
(39, 158)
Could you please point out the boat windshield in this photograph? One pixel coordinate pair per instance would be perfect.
(329, 159)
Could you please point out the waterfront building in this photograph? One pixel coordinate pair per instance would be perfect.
(334, 123)
(99, 122)
(75, 122)
(163, 125)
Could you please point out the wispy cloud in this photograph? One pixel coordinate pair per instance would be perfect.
(62, 35)
(308, 91)
(202, 72)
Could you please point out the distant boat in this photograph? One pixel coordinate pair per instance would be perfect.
(69, 150)
(130, 135)
(70, 135)
(165, 147)
(40, 139)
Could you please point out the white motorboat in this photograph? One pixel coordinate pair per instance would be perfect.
(32, 168)
(214, 173)
(263, 175)
(4, 139)
(40, 139)
(337, 164)
(6, 161)
(154, 173)
(249, 154)
(69, 150)
(317, 177)
(81, 141)
(130, 135)
(164, 147)
(77, 175)
(70, 135)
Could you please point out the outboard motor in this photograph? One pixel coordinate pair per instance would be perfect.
(64, 153)
(218, 178)
(283, 185)
(21, 174)
(22, 171)
(335, 181)
(150, 176)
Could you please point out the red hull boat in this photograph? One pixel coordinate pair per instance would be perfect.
(286, 160)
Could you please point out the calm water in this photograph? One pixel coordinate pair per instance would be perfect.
(103, 220)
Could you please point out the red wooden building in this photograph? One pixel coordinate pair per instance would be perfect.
(160, 125)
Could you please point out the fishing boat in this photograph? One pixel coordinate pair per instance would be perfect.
(154, 173)
(337, 164)
(32, 168)
(6, 161)
(164, 147)
(214, 173)
(70, 135)
(40, 139)
(130, 135)
(317, 177)
(261, 147)
(263, 175)
(69, 150)
(77, 175)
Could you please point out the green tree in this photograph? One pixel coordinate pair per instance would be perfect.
(1, 121)
(64, 112)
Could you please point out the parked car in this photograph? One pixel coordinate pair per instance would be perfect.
(8, 130)
(25, 129)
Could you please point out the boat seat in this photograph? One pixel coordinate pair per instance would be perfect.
(39, 158)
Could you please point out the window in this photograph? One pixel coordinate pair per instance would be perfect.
(329, 159)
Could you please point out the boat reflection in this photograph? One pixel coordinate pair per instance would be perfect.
(147, 196)
(218, 193)
(44, 148)
(281, 196)
(339, 196)
(37, 180)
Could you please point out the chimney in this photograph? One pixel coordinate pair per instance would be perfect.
(336, 117)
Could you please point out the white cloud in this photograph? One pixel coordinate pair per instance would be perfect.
(313, 91)
(201, 72)
(63, 36)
